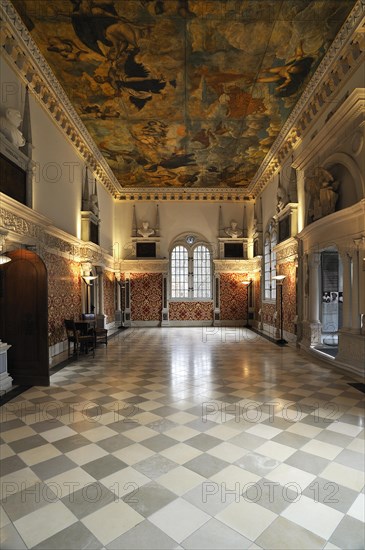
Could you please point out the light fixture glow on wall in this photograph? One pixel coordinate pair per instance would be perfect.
(88, 278)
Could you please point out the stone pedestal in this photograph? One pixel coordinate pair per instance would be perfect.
(5, 379)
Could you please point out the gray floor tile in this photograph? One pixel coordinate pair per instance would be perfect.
(12, 464)
(53, 466)
(10, 538)
(87, 500)
(283, 534)
(209, 497)
(331, 494)
(351, 459)
(349, 535)
(155, 466)
(47, 425)
(213, 535)
(290, 439)
(149, 498)
(203, 442)
(115, 443)
(270, 495)
(307, 462)
(104, 466)
(145, 536)
(206, 465)
(334, 438)
(27, 443)
(28, 500)
(159, 443)
(71, 443)
(74, 537)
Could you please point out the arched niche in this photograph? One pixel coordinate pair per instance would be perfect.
(344, 169)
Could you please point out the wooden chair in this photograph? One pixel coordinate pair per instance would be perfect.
(100, 334)
(80, 341)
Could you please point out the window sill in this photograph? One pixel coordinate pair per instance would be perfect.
(190, 299)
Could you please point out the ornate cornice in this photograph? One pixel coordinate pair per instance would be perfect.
(237, 266)
(144, 266)
(27, 60)
(179, 194)
(27, 227)
(343, 57)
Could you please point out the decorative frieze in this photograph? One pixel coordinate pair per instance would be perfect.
(237, 266)
(144, 266)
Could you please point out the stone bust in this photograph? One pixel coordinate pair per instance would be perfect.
(146, 230)
(9, 124)
(233, 231)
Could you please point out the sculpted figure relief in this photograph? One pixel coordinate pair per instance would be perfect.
(9, 124)
(321, 188)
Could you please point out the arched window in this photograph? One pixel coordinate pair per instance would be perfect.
(202, 272)
(191, 270)
(270, 263)
(179, 272)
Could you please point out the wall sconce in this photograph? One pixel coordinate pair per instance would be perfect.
(88, 278)
(279, 280)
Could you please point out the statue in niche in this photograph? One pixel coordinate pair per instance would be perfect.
(94, 204)
(146, 230)
(281, 198)
(9, 124)
(233, 231)
(322, 190)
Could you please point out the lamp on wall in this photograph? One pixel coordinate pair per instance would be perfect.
(247, 285)
(279, 281)
(87, 280)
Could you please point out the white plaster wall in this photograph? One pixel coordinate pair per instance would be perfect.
(59, 169)
(177, 218)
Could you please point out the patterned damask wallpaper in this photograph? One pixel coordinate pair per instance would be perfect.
(64, 294)
(289, 300)
(109, 296)
(146, 296)
(191, 311)
(289, 296)
(268, 311)
(233, 296)
(257, 297)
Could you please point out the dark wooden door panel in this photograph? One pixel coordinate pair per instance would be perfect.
(24, 317)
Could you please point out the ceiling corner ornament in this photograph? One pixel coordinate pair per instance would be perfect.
(24, 54)
(343, 55)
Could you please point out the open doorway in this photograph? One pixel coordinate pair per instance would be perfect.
(332, 301)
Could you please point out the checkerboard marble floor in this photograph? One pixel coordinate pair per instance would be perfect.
(196, 438)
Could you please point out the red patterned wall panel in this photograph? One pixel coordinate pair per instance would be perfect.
(64, 294)
(233, 296)
(268, 312)
(191, 311)
(257, 298)
(109, 296)
(289, 296)
(146, 296)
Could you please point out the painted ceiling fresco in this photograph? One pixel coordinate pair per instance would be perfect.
(184, 93)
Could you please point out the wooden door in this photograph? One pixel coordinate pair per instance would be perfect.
(24, 317)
